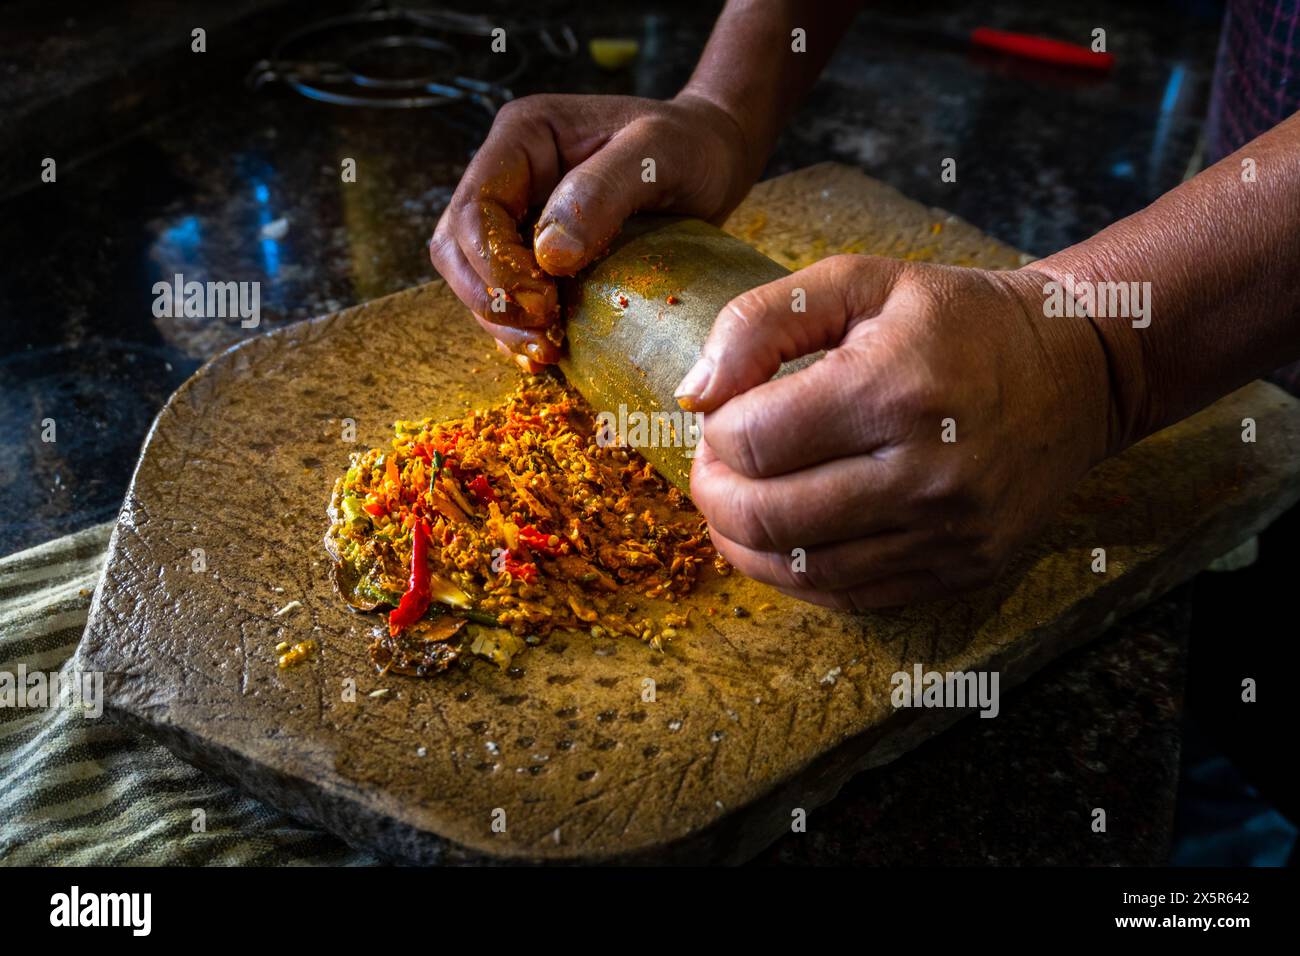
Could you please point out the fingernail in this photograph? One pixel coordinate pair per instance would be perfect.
(694, 385)
(557, 252)
(540, 304)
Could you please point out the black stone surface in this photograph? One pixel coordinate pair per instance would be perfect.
(192, 174)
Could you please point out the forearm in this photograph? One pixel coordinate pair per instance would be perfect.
(750, 70)
(1221, 255)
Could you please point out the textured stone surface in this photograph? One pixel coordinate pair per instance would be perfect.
(753, 715)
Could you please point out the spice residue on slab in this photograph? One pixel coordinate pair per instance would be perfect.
(521, 519)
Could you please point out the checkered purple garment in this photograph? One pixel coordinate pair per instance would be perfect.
(1256, 86)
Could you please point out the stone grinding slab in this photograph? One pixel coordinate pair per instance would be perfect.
(752, 716)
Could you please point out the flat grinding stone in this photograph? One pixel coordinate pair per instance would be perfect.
(752, 716)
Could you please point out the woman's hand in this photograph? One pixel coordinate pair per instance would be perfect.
(583, 159)
(942, 428)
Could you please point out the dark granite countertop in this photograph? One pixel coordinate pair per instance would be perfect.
(1098, 728)
(1045, 159)
(206, 177)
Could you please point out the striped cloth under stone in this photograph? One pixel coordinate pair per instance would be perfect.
(82, 791)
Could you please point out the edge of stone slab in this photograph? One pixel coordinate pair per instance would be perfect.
(745, 831)
(831, 168)
(728, 839)
(199, 379)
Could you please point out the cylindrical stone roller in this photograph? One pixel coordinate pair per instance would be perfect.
(636, 321)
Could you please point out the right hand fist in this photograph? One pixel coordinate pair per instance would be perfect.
(584, 157)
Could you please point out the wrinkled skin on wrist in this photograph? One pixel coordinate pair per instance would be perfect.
(846, 459)
(580, 159)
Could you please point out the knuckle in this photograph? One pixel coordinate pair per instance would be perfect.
(656, 127)
(742, 324)
(915, 395)
(947, 490)
(843, 370)
(589, 182)
(732, 433)
(819, 575)
(441, 247)
(845, 263)
(923, 288)
(747, 522)
(519, 108)
(475, 298)
(742, 311)
(524, 114)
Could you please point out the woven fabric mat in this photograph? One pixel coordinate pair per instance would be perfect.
(78, 790)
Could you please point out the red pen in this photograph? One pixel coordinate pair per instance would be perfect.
(1043, 49)
(1003, 42)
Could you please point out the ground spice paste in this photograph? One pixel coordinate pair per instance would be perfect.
(520, 519)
